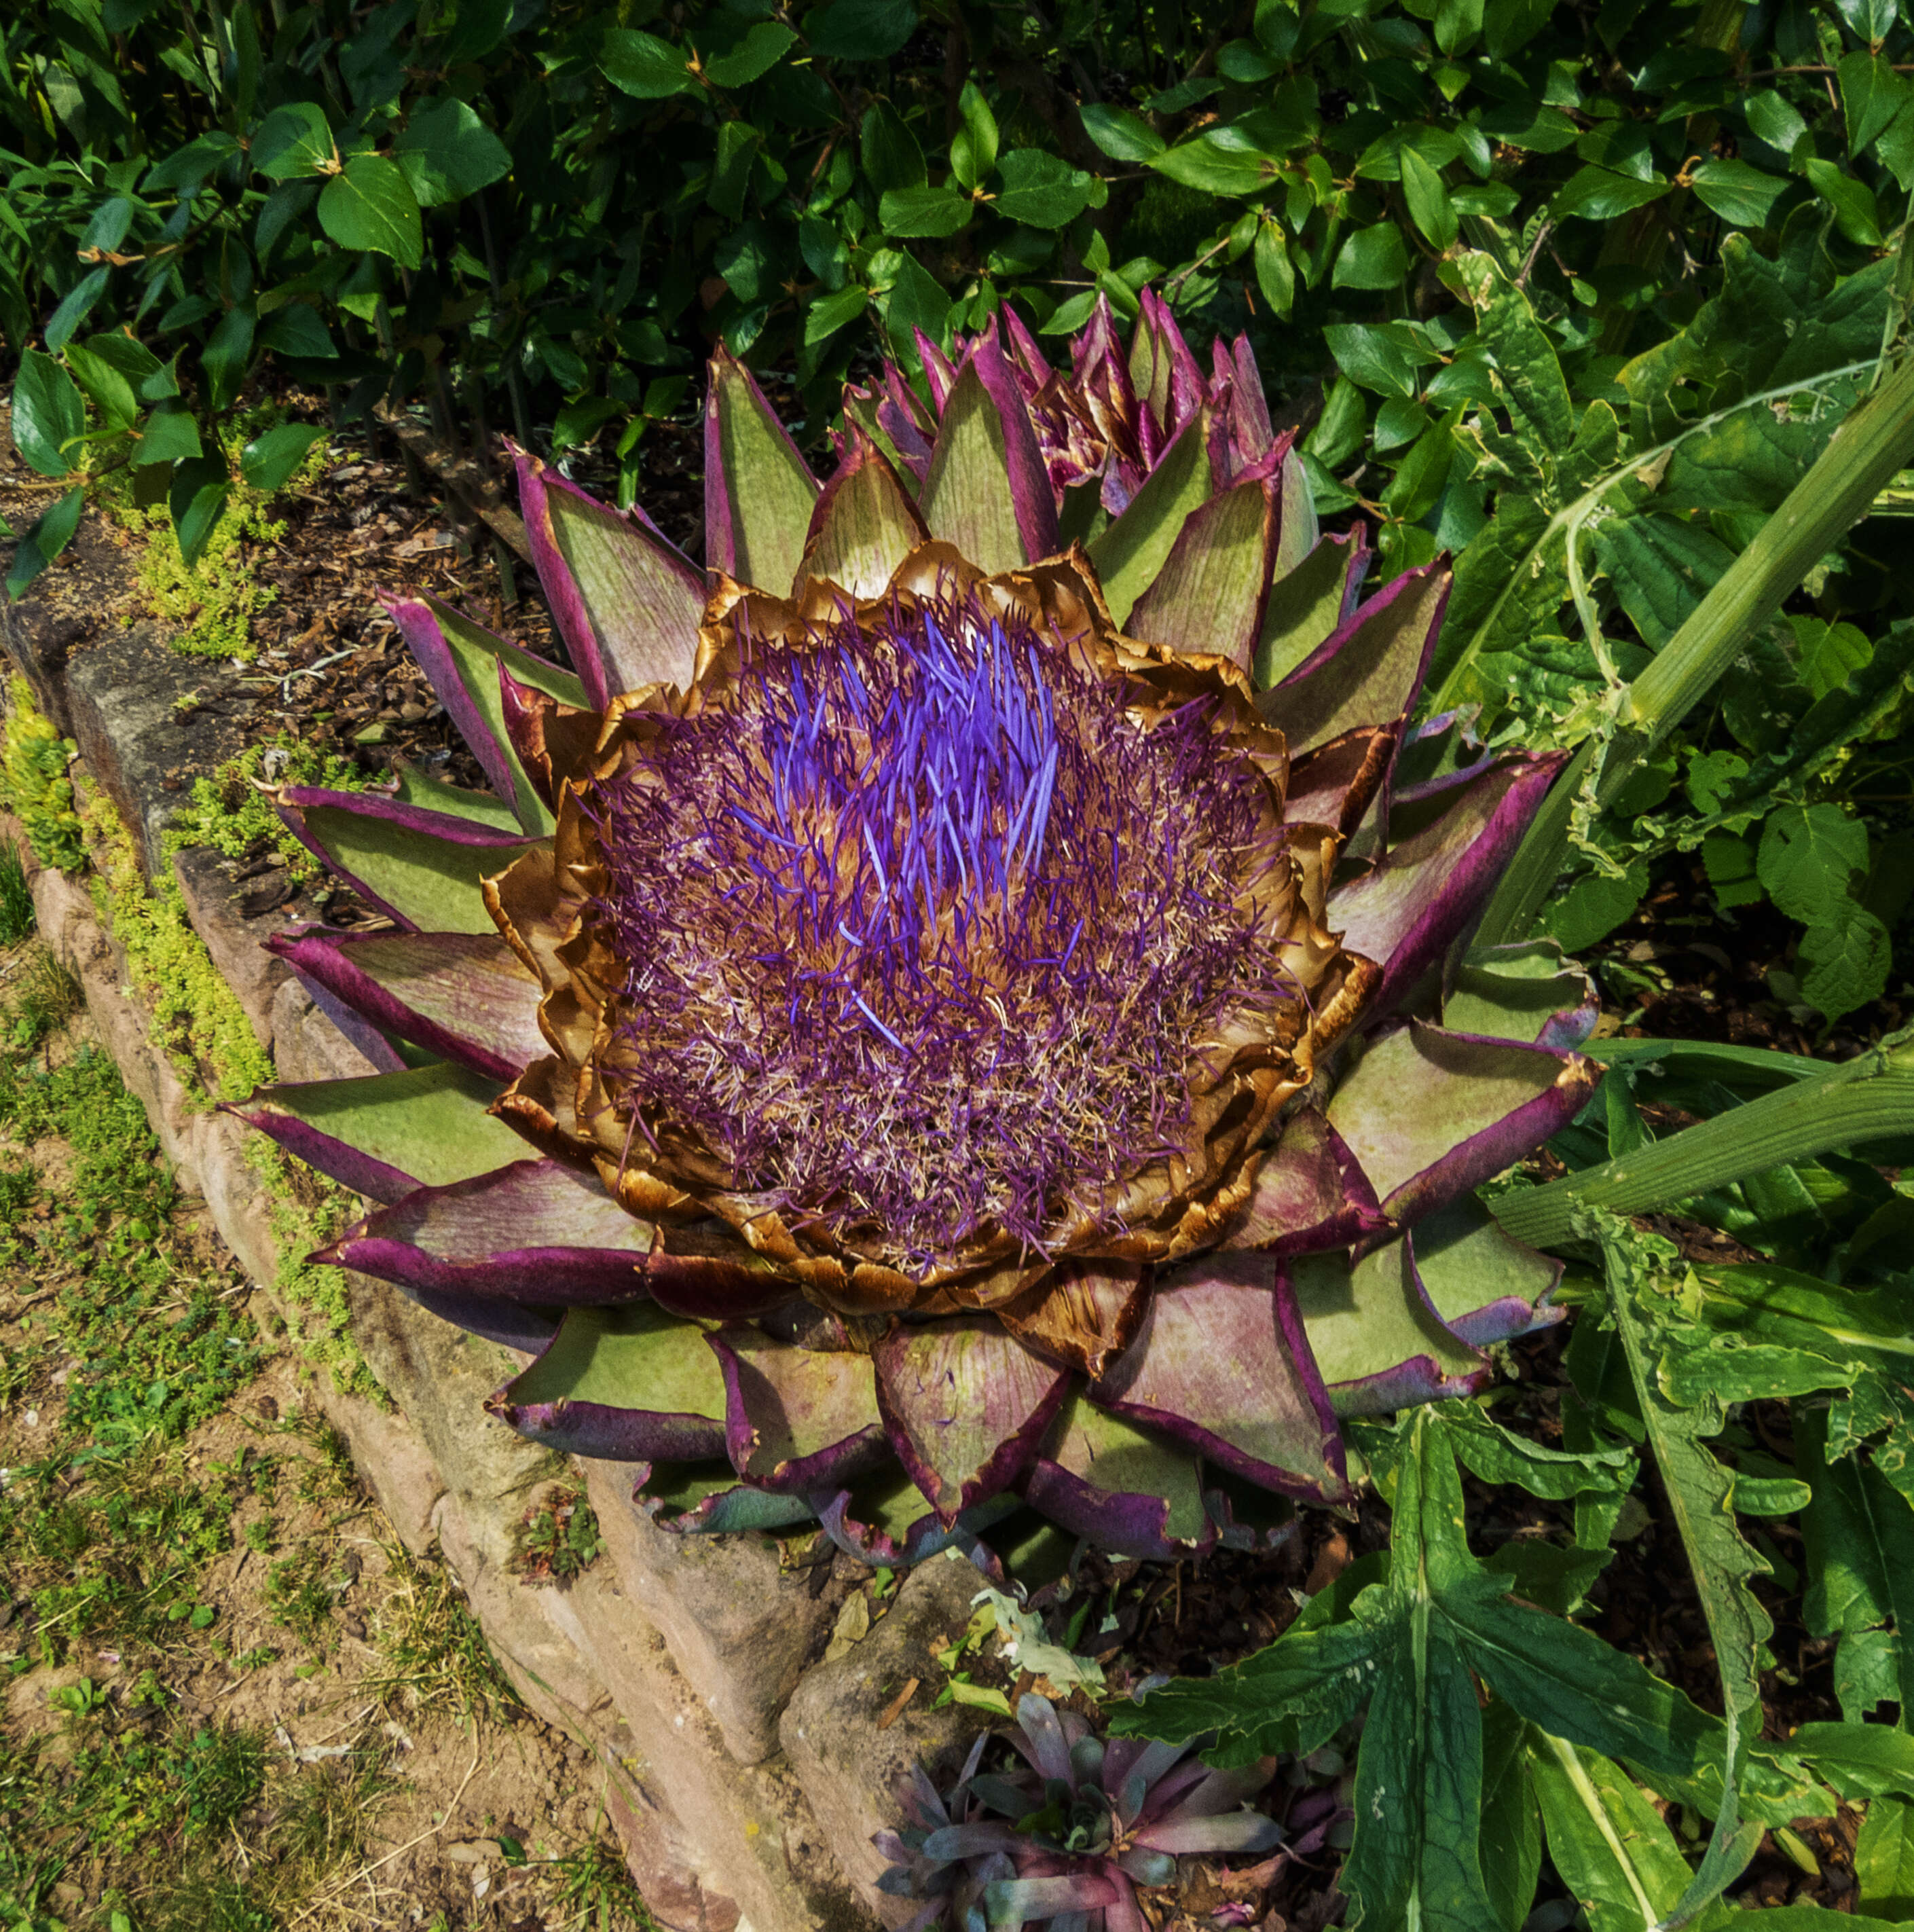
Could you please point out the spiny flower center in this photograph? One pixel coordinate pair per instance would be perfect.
(921, 927)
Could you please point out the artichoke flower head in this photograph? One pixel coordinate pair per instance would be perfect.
(943, 1026)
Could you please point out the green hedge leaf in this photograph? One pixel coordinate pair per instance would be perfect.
(49, 413)
(446, 152)
(295, 139)
(371, 206)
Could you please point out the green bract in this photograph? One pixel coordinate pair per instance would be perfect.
(941, 1026)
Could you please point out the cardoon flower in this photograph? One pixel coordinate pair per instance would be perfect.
(1114, 416)
(914, 1037)
(1088, 1819)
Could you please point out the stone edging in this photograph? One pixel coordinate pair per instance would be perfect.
(746, 1777)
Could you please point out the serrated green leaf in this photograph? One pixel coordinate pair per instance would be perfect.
(446, 152)
(292, 140)
(48, 415)
(1844, 959)
(643, 66)
(1041, 190)
(371, 206)
(1699, 1490)
(1810, 856)
(1859, 1534)
(754, 57)
(1123, 136)
(268, 463)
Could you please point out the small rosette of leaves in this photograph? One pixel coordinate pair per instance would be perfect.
(1082, 1822)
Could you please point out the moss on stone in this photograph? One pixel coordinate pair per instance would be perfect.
(229, 815)
(199, 1022)
(33, 784)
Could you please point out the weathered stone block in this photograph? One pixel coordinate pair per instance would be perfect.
(847, 1767)
(131, 700)
(740, 1631)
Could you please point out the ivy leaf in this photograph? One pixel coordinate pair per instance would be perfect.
(446, 152)
(371, 206)
(1040, 189)
(48, 413)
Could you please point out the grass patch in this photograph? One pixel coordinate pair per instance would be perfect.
(16, 900)
(433, 1655)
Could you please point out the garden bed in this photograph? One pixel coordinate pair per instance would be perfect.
(743, 1698)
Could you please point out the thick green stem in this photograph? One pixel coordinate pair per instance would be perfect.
(1864, 1098)
(1876, 442)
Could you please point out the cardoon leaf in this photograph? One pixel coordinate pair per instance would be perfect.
(1310, 1192)
(1309, 602)
(627, 604)
(421, 868)
(388, 1133)
(467, 998)
(1101, 1476)
(1486, 1286)
(1430, 1114)
(886, 1524)
(534, 1231)
(1011, 1901)
(797, 1419)
(986, 490)
(1238, 1832)
(966, 1405)
(1370, 670)
(759, 492)
(706, 1499)
(1130, 553)
(1222, 1364)
(417, 787)
(865, 523)
(1210, 593)
(1406, 913)
(630, 1382)
(1377, 1342)
(462, 662)
(1527, 992)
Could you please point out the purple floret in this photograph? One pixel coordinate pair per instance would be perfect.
(921, 927)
